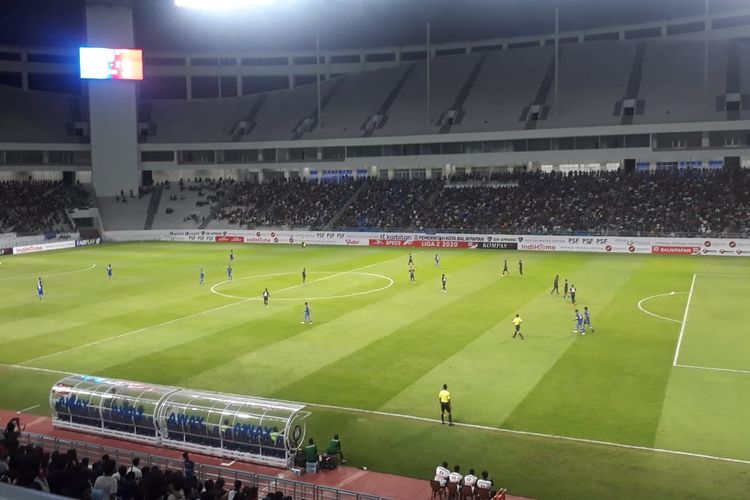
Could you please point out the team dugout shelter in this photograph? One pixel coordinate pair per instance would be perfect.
(226, 425)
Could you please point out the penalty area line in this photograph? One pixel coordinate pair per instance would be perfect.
(684, 321)
(555, 437)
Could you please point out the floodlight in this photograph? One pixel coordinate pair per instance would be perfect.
(222, 4)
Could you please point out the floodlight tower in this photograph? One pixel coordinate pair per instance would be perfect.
(113, 119)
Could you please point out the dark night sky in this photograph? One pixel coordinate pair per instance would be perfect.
(344, 23)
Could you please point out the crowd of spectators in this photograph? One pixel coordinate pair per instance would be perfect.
(38, 206)
(697, 202)
(288, 203)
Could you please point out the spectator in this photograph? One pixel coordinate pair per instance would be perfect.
(135, 469)
(231, 494)
(188, 466)
(105, 484)
(175, 487)
(129, 487)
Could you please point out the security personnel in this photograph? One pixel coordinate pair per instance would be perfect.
(445, 405)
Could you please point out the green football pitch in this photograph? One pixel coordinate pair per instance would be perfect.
(654, 404)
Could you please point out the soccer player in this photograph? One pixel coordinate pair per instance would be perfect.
(520, 267)
(470, 479)
(231, 255)
(505, 268)
(412, 279)
(485, 483)
(203, 276)
(573, 294)
(308, 316)
(565, 289)
(517, 326)
(39, 288)
(266, 295)
(555, 285)
(437, 261)
(444, 280)
(441, 473)
(587, 319)
(456, 476)
(304, 275)
(229, 272)
(411, 260)
(579, 324)
(445, 405)
(109, 271)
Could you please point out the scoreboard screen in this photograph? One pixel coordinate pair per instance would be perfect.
(111, 64)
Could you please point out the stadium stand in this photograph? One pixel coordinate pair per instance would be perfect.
(707, 203)
(175, 120)
(34, 116)
(34, 207)
(187, 204)
(119, 215)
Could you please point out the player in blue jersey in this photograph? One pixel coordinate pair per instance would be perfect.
(266, 296)
(229, 272)
(437, 261)
(308, 317)
(109, 271)
(587, 319)
(39, 288)
(203, 276)
(579, 324)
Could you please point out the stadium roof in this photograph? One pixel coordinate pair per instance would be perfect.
(160, 25)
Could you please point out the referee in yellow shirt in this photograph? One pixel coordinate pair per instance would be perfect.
(445, 404)
(517, 324)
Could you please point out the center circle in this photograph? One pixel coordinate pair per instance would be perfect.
(388, 282)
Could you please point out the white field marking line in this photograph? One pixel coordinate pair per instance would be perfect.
(194, 315)
(730, 370)
(684, 321)
(640, 302)
(61, 273)
(555, 437)
(345, 296)
(27, 409)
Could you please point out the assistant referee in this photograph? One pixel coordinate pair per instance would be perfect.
(445, 404)
(517, 326)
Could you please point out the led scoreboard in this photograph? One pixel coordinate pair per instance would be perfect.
(111, 64)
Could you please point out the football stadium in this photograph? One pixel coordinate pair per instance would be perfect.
(374, 249)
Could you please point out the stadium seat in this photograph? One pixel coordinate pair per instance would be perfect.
(438, 490)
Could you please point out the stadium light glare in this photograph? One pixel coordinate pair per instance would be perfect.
(222, 4)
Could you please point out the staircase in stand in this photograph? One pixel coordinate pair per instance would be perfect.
(153, 206)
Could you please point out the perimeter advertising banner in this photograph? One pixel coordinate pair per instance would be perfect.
(534, 243)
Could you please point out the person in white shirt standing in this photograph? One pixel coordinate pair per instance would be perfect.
(105, 483)
(441, 473)
(135, 469)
